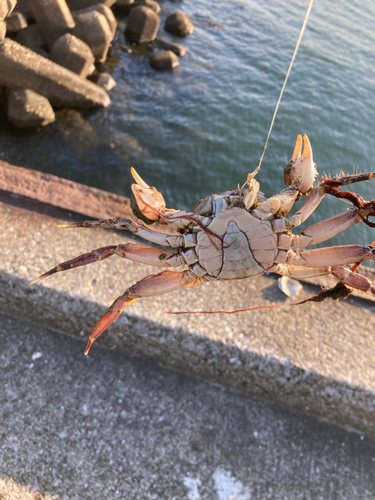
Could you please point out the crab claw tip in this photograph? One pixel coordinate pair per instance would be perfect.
(150, 202)
(88, 345)
(138, 179)
(297, 149)
(307, 150)
(34, 281)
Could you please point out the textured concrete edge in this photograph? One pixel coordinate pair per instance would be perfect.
(196, 355)
(62, 193)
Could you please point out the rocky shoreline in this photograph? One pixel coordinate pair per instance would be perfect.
(51, 52)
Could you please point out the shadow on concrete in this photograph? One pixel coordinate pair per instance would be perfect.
(195, 354)
(115, 426)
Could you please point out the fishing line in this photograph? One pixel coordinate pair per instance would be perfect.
(282, 91)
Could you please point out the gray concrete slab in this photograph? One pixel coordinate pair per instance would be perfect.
(319, 358)
(116, 426)
(316, 358)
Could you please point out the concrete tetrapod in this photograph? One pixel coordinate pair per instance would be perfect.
(93, 28)
(6, 7)
(20, 67)
(73, 53)
(53, 18)
(16, 22)
(27, 109)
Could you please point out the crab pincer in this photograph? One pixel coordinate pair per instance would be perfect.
(301, 170)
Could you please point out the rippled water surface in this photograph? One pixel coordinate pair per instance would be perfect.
(201, 128)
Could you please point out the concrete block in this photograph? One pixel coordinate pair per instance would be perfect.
(179, 50)
(92, 70)
(123, 6)
(93, 29)
(24, 8)
(151, 4)
(6, 7)
(101, 9)
(164, 59)
(75, 5)
(31, 37)
(3, 30)
(108, 14)
(104, 80)
(199, 441)
(179, 24)
(53, 18)
(28, 109)
(16, 22)
(143, 25)
(40, 51)
(20, 67)
(72, 53)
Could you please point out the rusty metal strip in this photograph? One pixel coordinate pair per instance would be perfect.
(63, 193)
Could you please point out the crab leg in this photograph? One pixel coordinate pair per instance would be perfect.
(343, 273)
(299, 176)
(184, 240)
(336, 256)
(336, 182)
(124, 224)
(354, 280)
(152, 207)
(301, 272)
(165, 282)
(137, 253)
(322, 231)
(301, 170)
(315, 197)
(331, 187)
(312, 202)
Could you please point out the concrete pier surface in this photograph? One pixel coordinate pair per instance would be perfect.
(318, 358)
(116, 426)
(166, 407)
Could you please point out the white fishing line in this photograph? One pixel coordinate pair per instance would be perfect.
(282, 91)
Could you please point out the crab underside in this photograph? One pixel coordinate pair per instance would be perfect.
(238, 234)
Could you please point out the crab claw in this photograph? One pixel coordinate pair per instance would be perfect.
(150, 202)
(301, 170)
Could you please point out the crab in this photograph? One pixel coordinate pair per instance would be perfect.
(236, 234)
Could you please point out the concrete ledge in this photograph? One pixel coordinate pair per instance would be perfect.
(47, 189)
(318, 358)
(62, 193)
